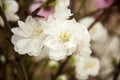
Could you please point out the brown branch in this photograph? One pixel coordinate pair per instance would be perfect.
(38, 9)
(106, 11)
(91, 13)
(78, 12)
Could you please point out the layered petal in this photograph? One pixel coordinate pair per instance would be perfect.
(28, 38)
(86, 67)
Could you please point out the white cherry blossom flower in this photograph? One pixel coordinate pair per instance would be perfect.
(28, 37)
(65, 37)
(86, 67)
(10, 7)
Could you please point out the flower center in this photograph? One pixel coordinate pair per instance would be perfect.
(37, 32)
(88, 65)
(64, 37)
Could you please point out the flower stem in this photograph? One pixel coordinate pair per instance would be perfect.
(117, 72)
(62, 66)
(24, 70)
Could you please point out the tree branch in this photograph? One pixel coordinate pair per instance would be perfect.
(106, 11)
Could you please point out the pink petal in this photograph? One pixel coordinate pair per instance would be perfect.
(102, 3)
(42, 12)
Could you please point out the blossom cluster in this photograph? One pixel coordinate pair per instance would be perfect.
(59, 36)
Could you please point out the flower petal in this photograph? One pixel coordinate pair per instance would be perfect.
(12, 6)
(19, 32)
(12, 17)
(1, 21)
(57, 54)
(24, 45)
(30, 22)
(70, 47)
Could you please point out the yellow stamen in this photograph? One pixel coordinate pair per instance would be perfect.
(88, 65)
(64, 37)
(37, 32)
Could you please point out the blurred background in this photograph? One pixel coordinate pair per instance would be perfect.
(101, 17)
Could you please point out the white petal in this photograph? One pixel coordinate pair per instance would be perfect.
(30, 22)
(57, 54)
(15, 38)
(56, 50)
(19, 32)
(98, 33)
(85, 34)
(70, 47)
(24, 45)
(52, 43)
(65, 2)
(85, 51)
(23, 27)
(36, 47)
(12, 17)
(62, 6)
(19, 51)
(12, 6)
(1, 21)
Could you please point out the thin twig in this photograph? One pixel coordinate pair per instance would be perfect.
(45, 4)
(101, 16)
(38, 9)
(62, 66)
(91, 13)
(78, 11)
(19, 60)
(43, 68)
(24, 70)
(117, 72)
